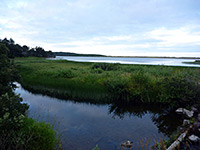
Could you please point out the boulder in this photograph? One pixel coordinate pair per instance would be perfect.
(194, 109)
(186, 122)
(198, 117)
(196, 127)
(194, 138)
(186, 112)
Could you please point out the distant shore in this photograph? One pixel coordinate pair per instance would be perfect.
(157, 57)
(99, 55)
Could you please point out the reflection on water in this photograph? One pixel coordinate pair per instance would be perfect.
(164, 118)
(84, 125)
(129, 60)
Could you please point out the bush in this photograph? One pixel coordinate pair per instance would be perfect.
(39, 135)
(105, 67)
(179, 90)
(12, 112)
(32, 135)
(118, 88)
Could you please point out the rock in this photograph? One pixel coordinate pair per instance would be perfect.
(185, 112)
(194, 109)
(196, 124)
(180, 110)
(194, 138)
(198, 117)
(186, 122)
(196, 127)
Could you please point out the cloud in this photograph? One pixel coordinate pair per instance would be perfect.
(115, 27)
(176, 36)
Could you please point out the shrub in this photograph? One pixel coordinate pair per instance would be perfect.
(179, 90)
(39, 135)
(32, 135)
(118, 88)
(12, 112)
(105, 66)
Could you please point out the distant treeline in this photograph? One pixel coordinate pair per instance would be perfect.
(17, 50)
(75, 54)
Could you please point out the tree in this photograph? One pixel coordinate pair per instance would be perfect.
(7, 72)
(12, 41)
(40, 52)
(12, 111)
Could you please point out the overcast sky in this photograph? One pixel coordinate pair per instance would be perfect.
(110, 27)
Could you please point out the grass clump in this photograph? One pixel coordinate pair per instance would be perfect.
(105, 66)
(39, 135)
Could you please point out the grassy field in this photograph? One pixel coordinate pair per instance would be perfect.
(108, 83)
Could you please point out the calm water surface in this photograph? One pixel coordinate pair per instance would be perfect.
(127, 60)
(84, 125)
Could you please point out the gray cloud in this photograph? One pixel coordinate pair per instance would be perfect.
(111, 27)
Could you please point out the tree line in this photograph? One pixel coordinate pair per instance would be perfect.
(17, 130)
(17, 50)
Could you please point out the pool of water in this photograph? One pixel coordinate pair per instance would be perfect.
(129, 60)
(83, 125)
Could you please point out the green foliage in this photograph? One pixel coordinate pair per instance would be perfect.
(110, 83)
(12, 112)
(17, 50)
(31, 135)
(96, 148)
(176, 90)
(118, 86)
(63, 73)
(105, 67)
(41, 135)
(16, 130)
(8, 73)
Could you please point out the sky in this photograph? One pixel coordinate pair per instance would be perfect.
(109, 27)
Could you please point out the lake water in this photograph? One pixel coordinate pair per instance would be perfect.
(84, 125)
(128, 60)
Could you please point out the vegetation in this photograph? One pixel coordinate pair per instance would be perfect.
(16, 130)
(17, 50)
(196, 62)
(110, 83)
(76, 54)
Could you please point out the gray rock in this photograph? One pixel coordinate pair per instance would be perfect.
(180, 110)
(194, 109)
(186, 122)
(185, 112)
(193, 138)
(196, 124)
(198, 117)
(196, 127)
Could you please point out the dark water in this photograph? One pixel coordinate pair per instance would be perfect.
(128, 60)
(84, 125)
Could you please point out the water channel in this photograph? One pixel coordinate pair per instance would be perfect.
(83, 125)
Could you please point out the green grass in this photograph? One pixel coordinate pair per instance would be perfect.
(106, 83)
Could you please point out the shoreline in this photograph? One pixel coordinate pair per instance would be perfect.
(89, 55)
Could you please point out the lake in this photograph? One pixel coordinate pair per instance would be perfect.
(83, 125)
(129, 60)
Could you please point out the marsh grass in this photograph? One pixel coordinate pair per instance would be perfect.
(101, 82)
(51, 123)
